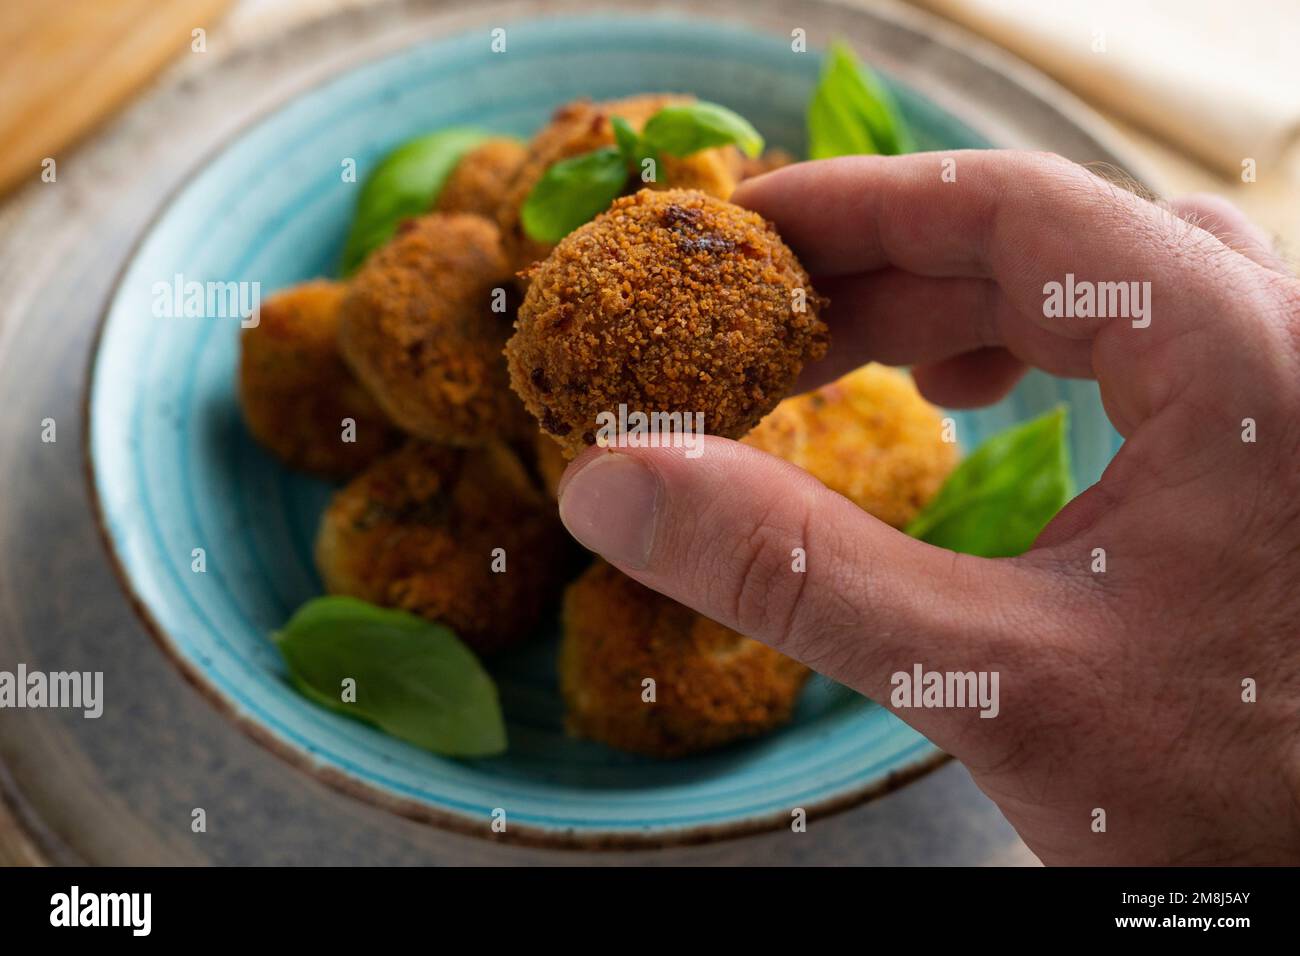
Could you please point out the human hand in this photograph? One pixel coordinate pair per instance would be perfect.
(1120, 691)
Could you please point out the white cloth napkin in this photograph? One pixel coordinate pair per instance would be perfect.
(1219, 79)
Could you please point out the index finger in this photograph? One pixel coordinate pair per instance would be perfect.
(939, 227)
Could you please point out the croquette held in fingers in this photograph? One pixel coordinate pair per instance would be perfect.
(711, 685)
(460, 536)
(869, 436)
(298, 398)
(670, 302)
(420, 331)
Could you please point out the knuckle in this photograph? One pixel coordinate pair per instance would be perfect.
(1034, 166)
(1050, 170)
(1049, 159)
(844, 634)
(1041, 157)
(765, 589)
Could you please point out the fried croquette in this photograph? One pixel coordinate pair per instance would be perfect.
(419, 530)
(711, 685)
(869, 436)
(297, 395)
(582, 126)
(668, 302)
(419, 330)
(550, 463)
(479, 182)
(743, 167)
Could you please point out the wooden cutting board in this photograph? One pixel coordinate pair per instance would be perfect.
(65, 65)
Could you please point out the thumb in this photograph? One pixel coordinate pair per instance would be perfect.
(762, 547)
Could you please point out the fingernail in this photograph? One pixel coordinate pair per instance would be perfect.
(609, 506)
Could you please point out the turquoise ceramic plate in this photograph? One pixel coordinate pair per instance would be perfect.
(174, 469)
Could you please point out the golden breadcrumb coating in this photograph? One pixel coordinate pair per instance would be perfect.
(670, 301)
(712, 686)
(296, 393)
(582, 126)
(869, 436)
(418, 530)
(479, 182)
(419, 330)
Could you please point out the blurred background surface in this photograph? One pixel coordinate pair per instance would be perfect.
(1207, 92)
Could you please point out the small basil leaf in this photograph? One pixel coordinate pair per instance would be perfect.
(414, 679)
(635, 150)
(629, 143)
(852, 113)
(833, 130)
(405, 183)
(572, 192)
(996, 501)
(690, 127)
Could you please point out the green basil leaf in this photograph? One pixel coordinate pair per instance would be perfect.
(629, 143)
(634, 149)
(414, 679)
(690, 127)
(405, 183)
(572, 192)
(852, 113)
(996, 501)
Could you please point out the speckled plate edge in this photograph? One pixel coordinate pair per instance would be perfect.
(754, 16)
